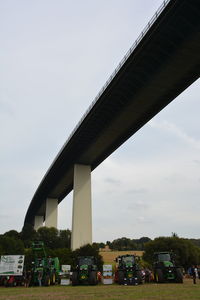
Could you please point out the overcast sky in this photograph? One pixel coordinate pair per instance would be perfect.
(55, 56)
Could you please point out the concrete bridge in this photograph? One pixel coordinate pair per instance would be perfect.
(161, 64)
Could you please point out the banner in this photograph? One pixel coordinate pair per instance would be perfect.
(11, 265)
(107, 277)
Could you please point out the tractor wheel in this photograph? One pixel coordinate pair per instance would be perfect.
(179, 276)
(121, 277)
(93, 278)
(159, 277)
(75, 278)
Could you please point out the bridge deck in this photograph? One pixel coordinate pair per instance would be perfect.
(162, 65)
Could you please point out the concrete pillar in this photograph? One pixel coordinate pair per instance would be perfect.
(51, 216)
(82, 208)
(38, 222)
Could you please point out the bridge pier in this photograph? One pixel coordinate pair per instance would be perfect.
(38, 222)
(51, 215)
(82, 208)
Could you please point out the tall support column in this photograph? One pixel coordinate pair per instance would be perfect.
(82, 208)
(51, 216)
(38, 222)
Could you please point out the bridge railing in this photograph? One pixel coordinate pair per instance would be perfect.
(122, 62)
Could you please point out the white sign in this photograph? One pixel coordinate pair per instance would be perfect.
(107, 281)
(65, 281)
(107, 277)
(11, 265)
(107, 268)
(66, 268)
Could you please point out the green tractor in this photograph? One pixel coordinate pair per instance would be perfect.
(45, 270)
(128, 271)
(165, 269)
(85, 271)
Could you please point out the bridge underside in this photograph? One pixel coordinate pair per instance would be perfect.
(163, 65)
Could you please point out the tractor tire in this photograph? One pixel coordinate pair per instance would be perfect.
(75, 280)
(179, 276)
(159, 276)
(120, 277)
(93, 278)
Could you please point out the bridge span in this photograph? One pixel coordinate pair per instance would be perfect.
(162, 63)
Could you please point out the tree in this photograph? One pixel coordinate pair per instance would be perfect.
(65, 238)
(109, 244)
(140, 243)
(29, 258)
(102, 245)
(28, 234)
(64, 254)
(13, 234)
(10, 246)
(49, 236)
(123, 244)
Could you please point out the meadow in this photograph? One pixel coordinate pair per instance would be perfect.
(109, 256)
(185, 291)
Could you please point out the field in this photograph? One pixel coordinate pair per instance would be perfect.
(185, 291)
(109, 257)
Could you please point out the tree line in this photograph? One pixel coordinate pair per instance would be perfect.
(57, 244)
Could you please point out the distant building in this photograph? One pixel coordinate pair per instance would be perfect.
(106, 249)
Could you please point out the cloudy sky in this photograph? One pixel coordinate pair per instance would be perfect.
(55, 56)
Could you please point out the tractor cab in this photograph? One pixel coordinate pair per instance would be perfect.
(127, 261)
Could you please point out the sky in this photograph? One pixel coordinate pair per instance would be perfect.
(55, 56)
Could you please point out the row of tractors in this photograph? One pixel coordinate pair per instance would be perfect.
(45, 270)
(129, 272)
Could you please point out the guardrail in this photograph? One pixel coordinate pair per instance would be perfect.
(122, 62)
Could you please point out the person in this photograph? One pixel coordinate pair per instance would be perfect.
(27, 279)
(40, 278)
(194, 272)
(147, 275)
(198, 269)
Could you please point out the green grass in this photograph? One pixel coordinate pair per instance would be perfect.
(186, 291)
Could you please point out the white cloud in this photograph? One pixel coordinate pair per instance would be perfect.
(174, 130)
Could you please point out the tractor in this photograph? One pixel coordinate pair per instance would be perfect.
(128, 271)
(85, 271)
(44, 268)
(165, 269)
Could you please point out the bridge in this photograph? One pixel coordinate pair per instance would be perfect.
(161, 64)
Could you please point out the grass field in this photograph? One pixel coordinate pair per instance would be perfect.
(185, 291)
